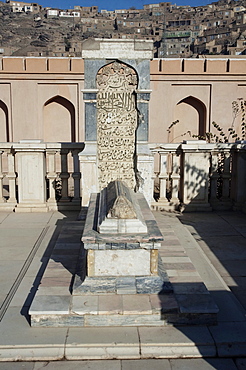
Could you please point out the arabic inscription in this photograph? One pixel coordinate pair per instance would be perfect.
(116, 124)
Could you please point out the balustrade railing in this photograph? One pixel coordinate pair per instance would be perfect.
(192, 176)
(36, 176)
(198, 176)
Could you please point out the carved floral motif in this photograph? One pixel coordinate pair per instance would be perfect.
(116, 123)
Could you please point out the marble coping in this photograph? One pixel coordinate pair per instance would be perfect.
(91, 236)
(119, 211)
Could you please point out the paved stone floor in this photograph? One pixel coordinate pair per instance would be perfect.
(149, 364)
(215, 244)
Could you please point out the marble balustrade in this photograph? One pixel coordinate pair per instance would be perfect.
(192, 176)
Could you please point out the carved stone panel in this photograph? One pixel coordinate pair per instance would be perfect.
(116, 124)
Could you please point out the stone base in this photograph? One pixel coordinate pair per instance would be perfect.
(112, 301)
(196, 207)
(32, 207)
(222, 205)
(122, 285)
(7, 206)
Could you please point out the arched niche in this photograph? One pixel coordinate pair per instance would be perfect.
(189, 118)
(59, 120)
(4, 122)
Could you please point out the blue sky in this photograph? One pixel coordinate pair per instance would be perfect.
(111, 5)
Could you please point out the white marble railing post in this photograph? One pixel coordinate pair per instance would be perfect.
(226, 176)
(31, 166)
(76, 176)
(51, 176)
(88, 169)
(2, 199)
(11, 176)
(214, 175)
(196, 163)
(64, 175)
(168, 175)
(163, 176)
(145, 167)
(175, 177)
(238, 181)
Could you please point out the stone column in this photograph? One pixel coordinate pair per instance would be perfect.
(76, 176)
(163, 176)
(88, 169)
(226, 177)
(51, 176)
(214, 175)
(175, 177)
(31, 170)
(196, 163)
(145, 167)
(11, 176)
(64, 176)
(221, 152)
(2, 199)
(238, 193)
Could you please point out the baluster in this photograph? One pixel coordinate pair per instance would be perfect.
(163, 179)
(76, 176)
(51, 175)
(11, 177)
(2, 199)
(214, 175)
(175, 176)
(226, 176)
(64, 175)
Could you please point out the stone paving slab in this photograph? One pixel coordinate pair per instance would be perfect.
(143, 364)
(102, 343)
(230, 338)
(208, 364)
(224, 246)
(162, 342)
(19, 341)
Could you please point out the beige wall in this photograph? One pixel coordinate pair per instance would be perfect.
(214, 84)
(43, 97)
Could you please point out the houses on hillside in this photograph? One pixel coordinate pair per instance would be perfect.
(177, 31)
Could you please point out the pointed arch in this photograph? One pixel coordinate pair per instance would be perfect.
(124, 65)
(59, 120)
(190, 113)
(4, 122)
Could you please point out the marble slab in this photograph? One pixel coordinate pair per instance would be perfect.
(122, 262)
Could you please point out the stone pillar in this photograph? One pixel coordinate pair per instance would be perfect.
(214, 175)
(31, 169)
(145, 167)
(118, 107)
(2, 199)
(238, 193)
(76, 176)
(196, 163)
(64, 176)
(226, 177)
(51, 176)
(163, 176)
(11, 176)
(175, 178)
(221, 152)
(88, 169)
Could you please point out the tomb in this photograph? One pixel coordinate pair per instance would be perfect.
(118, 277)
(122, 239)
